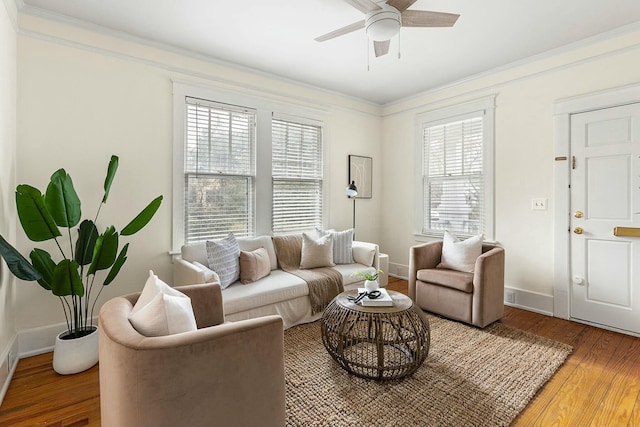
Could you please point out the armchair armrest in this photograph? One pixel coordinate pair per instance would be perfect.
(488, 286)
(206, 301)
(426, 255)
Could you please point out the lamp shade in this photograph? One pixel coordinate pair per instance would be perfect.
(351, 190)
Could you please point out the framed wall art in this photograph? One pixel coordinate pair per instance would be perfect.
(360, 172)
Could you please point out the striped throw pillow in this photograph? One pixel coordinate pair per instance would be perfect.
(342, 245)
(224, 258)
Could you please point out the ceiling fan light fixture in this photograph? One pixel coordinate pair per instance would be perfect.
(382, 25)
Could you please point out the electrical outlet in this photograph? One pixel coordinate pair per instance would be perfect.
(510, 296)
(538, 204)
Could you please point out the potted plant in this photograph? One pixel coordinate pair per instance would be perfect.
(73, 279)
(370, 279)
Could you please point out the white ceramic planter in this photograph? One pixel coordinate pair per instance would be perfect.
(371, 285)
(75, 355)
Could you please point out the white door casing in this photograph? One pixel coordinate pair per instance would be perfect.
(605, 193)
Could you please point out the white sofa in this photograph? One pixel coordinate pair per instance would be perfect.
(280, 292)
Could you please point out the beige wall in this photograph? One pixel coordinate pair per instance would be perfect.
(7, 171)
(84, 96)
(524, 150)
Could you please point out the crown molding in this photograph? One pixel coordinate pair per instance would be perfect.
(11, 7)
(77, 23)
(571, 47)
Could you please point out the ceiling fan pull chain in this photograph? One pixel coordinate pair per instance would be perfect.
(399, 44)
(368, 62)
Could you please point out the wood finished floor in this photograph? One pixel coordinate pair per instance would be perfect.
(598, 385)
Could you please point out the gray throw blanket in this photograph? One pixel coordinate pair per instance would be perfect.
(325, 283)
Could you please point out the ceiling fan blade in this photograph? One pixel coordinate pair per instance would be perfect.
(381, 48)
(401, 5)
(364, 6)
(341, 31)
(424, 18)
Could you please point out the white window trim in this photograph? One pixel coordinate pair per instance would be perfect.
(265, 108)
(486, 107)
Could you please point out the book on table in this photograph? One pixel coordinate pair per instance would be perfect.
(384, 300)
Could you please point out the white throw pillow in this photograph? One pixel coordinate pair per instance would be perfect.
(224, 258)
(316, 252)
(459, 254)
(162, 310)
(342, 245)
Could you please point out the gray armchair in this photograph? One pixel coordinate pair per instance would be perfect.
(225, 374)
(475, 298)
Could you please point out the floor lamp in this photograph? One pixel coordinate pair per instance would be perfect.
(352, 191)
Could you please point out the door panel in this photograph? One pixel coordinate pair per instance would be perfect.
(609, 285)
(605, 189)
(608, 187)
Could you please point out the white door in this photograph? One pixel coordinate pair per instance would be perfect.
(605, 194)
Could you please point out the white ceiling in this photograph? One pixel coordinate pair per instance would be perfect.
(277, 36)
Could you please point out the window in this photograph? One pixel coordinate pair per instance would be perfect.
(219, 170)
(297, 176)
(456, 182)
(243, 164)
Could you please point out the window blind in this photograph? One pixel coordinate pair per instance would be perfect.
(297, 176)
(219, 170)
(453, 181)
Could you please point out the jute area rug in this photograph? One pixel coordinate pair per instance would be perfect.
(471, 377)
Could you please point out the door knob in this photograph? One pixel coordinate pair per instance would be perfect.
(577, 280)
(578, 214)
(578, 230)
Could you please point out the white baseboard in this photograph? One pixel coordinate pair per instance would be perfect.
(9, 361)
(531, 301)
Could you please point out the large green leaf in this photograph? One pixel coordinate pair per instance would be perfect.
(18, 265)
(117, 265)
(105, 251)
(87, 237)
(66, 279)
(143, 217)
(62, 201)
(44, 264)
(111, 173)
(37, 222)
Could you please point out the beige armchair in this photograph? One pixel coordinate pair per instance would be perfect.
(476, 298)
(224, 374)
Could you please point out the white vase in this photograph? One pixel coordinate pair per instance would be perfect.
(371, 285)
(71, 356)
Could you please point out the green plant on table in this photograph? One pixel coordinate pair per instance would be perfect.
(73, 278)
(369, 276)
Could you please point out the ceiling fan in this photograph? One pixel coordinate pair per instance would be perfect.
(384, 19)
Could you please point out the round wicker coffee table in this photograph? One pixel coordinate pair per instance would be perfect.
(381, 343)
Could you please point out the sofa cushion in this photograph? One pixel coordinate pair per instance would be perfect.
(316, 252)
(459, 254)
(448, 278)
(276, 287)
(254, 265)
(349, 272)
(224, 259)
(162, 310)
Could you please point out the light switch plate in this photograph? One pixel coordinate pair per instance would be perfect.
(538, 204)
